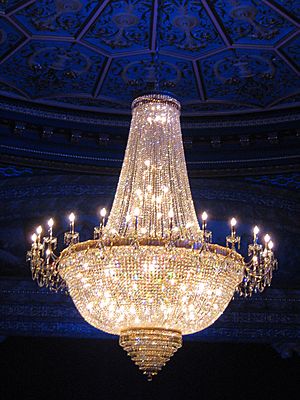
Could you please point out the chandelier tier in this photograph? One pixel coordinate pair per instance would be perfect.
(151, 274)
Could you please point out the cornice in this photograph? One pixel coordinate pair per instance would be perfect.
(217, 169)
(274, 117)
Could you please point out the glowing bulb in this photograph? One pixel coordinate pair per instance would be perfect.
(158, 199)
(270, 245)
(127, 218)
(138, 192)
(267, 238)
(143, 231)
(233, 222)
(34, 237)
(136, 212)
(50, 222)
(171, 214)
(48, 252)
(159, 215)
(103, 212)
(39, 230)
(256, 230)
(147, 163)
(72, 217)
(204, 216)
(165, 189)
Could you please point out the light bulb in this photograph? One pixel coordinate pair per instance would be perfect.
(171, 214)
(72, 217)
(127, 218)
(136, 212)
(256, 230)
(165, 189)
(39, 230)
(48, 252)
(147, 163)
(233, 222)
(34, 237)
(158, 199)
(204, 216)
(103, 212)
(159, 215)
(270, 245)
(50, 222)
(267, 238)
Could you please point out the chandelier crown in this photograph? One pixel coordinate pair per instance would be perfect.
(154, 178)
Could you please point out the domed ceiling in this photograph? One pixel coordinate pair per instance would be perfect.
(216, 56)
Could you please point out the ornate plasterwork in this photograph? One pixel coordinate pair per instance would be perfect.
(215, 55)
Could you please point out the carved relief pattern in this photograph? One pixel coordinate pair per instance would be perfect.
(186, 27)
(251, 21)
(248, 77)
(292, 51)
(123, 24)
(7, 5)
(292, 6)
(8, 89)
(290, 100)
(98, 55)
(10, 37)
(93, 103)
(215, 106)
(289, 181)
(55, 16)
(58, 68)
(127, 76)
(13, 171)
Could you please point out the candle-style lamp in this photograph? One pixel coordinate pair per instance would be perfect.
(233, 239)
(71, 237)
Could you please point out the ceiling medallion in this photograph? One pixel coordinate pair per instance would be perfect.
(151, 274)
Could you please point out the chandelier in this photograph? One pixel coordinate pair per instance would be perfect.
(151, 274)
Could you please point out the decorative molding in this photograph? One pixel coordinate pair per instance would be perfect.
(213, 172)
(69, 116)
(219, 57)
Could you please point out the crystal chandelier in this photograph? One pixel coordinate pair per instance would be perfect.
(151, 274)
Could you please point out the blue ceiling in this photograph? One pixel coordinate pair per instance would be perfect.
(216, 56)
